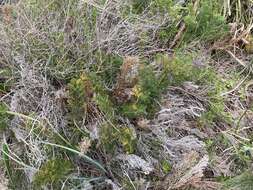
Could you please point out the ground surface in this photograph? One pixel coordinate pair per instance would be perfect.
(145, 94)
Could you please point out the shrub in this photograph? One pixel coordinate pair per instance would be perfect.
(106, 68)
(140, 5)
(52, 172)
(242, 182)
(207, 24)
(146, 92)
(6, 81)
(114, 136)
(79, 99)
(4, 117)
(182, 68)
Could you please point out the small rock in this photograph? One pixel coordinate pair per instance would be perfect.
(136, 163)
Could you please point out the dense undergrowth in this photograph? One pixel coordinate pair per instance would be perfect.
(83, 86)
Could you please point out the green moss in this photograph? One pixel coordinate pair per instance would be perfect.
(52, 172)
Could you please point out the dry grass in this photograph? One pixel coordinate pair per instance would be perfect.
(48, 45)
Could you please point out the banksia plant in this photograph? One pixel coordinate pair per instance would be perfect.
(80, 94)
(114, 94)
(52, 172)
(127, 79)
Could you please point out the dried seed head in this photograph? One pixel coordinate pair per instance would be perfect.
(84, 145)
(127, 79)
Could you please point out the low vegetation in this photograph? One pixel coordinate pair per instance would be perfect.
(144, 94)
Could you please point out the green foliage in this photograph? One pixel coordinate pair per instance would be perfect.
(246, 152)
(216, 101)
(207, 24)
(5, 80)
(215, 113)
(217, 105)
(203, 22)
(106, 68)
(7, 160)
(80, 93)
(140, 5)
(173, 9)
(182, 68)
(60, 39)
(17, 178)
(105, 105)
(164, 4)
(166, 166)
(167, 33)
(4, 117)
(146, 92)
(175, 71)
(114, 136)
(128, 139)
(212, 144)
(242, 182)
(83, 93)
(133, 110)
(149, 87)
(175, 12)
(52, 172)
(169, 7)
